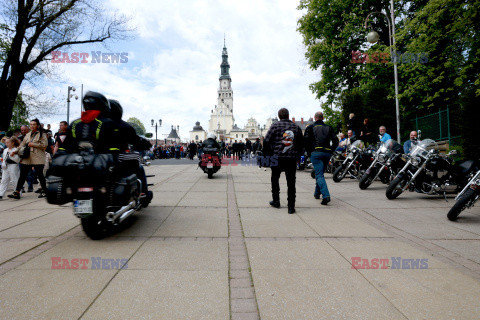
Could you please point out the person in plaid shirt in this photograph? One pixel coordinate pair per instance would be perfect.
(283, 145)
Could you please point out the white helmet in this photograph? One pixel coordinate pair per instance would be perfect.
(212, 136)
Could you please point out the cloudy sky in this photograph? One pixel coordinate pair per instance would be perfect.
(174, 62)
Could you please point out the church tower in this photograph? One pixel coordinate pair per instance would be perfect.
(222, 120)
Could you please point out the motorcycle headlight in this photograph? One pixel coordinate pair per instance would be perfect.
(350, 156)
(381, 157)
(416, 161)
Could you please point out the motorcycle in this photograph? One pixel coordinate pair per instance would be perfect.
(210, 162)
(356, 162)
(466, 198)
(386, 164)
(335, 161)
(103, 195)
(429, 172)
(302, 162)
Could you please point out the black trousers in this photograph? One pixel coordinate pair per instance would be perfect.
(289, 166)
(25, 170)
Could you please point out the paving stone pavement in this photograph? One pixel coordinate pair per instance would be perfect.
(215, 249)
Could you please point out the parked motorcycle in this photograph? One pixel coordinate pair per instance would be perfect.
(103, 195)
(335, 161)
(356, 162)
(466, 198)
(210, 162)
(386, 164)
(429, 172)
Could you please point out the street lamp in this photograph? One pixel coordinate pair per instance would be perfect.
(155, 125)
(261, 129)
(70, 95)
(373, 37)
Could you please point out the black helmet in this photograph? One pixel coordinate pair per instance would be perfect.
(116, 110)
(96, 101)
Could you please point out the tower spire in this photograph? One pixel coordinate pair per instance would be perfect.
(225, 66)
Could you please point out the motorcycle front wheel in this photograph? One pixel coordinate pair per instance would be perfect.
(366, 180)
(395, 188)
(338, 174)
(461, 204)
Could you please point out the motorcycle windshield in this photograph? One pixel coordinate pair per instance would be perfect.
(421, 148)
(357, 144)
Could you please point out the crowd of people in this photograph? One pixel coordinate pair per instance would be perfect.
(28, 151)
(26, 155)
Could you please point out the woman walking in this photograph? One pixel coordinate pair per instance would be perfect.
(32, 152)
(10, 168)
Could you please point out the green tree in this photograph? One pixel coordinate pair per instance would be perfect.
(31, 30)
(137, 125)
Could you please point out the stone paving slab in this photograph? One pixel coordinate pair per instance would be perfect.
(167, 198)
(337, 224)
(83, 248)
(10, 248)
(271, 222)
(430, 293)
(287, 254)
(319, 294)
(11, 218)
(163, 294)
(382, 249)
(468, 249)
(204, 199)
(195, 222)
(50, 294)
(181, 254)
(49, 225)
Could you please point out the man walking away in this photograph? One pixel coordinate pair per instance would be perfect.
(283, 144)
(320, 141)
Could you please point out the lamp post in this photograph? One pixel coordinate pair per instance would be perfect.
(156, 125)
(373, 37)
(70, 95)
(261, 129)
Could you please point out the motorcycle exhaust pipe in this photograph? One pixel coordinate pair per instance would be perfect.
(126, 215)
(112, 216)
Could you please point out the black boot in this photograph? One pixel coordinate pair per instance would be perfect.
(275, 204)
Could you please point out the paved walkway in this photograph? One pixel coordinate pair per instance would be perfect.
(214, 249)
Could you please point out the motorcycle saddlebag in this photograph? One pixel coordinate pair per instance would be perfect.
(75, 164)
(122, 190)
(56, 191)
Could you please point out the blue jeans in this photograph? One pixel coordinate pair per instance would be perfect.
(320, 161)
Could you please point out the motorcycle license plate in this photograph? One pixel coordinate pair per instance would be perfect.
(82, 207)
(209, 165)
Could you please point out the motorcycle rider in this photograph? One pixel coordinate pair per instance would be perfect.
(211, 142)
(126, 135)
(94, 129)
(320, 141)
(407, 146)
(384, 136)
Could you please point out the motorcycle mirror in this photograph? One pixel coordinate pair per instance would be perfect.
(452, 152)
(419, 134)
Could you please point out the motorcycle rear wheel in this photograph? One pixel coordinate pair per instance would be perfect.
(460, 205)
(338, 175)
(394, 189)
(96, 226)
(210, 174)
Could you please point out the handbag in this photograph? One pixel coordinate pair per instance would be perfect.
(25, 153)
